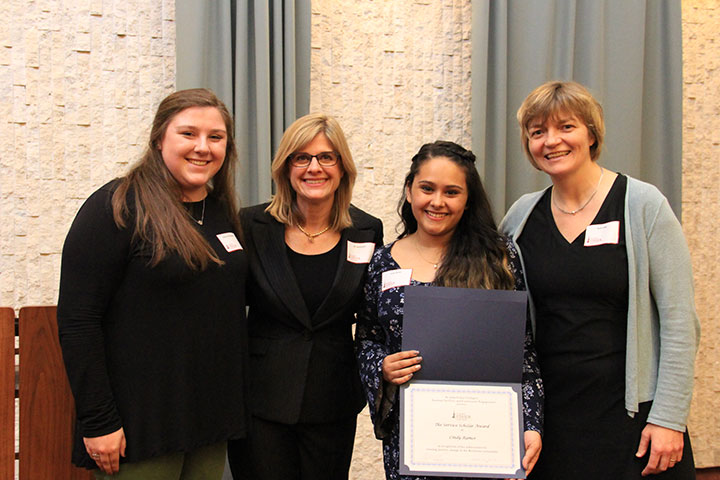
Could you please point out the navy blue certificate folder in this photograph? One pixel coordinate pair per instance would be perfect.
(466, 334)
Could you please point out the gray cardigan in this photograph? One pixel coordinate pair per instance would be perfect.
(663, 330)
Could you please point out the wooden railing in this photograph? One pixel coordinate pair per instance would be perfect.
(45, 402)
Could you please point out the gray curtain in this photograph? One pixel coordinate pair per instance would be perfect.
(255, 55)
(627, 52)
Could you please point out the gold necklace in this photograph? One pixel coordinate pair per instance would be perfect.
(417, 247)
(311, 236)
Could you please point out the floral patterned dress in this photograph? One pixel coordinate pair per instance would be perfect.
(379, 333)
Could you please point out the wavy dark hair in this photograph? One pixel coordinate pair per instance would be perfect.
(477, 255)
(155, 197)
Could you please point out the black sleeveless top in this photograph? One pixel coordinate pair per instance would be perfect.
(314, 274)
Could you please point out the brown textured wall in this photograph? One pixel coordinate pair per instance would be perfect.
(701, 211)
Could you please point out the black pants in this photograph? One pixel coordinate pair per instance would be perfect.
(303, 451)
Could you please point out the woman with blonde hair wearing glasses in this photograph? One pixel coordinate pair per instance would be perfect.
(611, 288)
(308, 251)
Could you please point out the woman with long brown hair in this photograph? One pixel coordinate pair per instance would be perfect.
(448, 239)
(151, 309)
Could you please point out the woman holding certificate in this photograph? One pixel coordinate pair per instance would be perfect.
(608, 272)
(449, 239)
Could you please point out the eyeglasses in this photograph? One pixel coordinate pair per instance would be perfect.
(324, 159)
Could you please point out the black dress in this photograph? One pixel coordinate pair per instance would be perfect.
(581, 299)
(159, 351)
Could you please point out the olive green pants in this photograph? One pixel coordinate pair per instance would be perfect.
(206, 463)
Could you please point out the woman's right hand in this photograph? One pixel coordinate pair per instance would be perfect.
(106, 450)
(399, 367)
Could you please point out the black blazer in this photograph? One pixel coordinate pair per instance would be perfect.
(302, 369)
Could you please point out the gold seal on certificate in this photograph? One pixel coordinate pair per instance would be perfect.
(460, 429)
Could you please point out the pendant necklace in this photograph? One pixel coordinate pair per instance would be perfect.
(417, 247)
(311, 236)
(573, 212)
(202, 215)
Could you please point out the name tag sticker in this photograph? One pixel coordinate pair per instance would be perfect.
(603, 234)
(229, 241)
(360, 252)
(396, 278)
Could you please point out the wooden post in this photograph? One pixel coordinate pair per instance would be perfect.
(47, 411)
(7, 392)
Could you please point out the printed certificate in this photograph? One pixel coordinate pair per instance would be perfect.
(461, 429)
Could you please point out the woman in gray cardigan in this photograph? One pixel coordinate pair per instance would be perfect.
(612, 304)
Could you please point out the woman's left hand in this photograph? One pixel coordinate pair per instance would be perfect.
(106, 450)
(533, 445)
(666, 448)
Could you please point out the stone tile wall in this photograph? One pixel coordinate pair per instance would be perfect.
(396, 75)
(79, 82)
(701, 211)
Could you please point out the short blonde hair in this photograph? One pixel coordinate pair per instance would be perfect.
(283, 206)
(552, 98)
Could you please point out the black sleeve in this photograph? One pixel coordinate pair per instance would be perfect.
(365, 221)
(378, 227)
(93, 265)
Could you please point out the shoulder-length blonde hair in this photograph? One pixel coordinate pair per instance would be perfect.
(283, 206)
(555, 97)
(161, 220)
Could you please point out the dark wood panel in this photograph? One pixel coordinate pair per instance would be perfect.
(46, 405)
(708, 473)
(7, 392)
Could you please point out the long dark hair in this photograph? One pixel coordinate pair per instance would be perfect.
(476, 256)
(161, 220)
